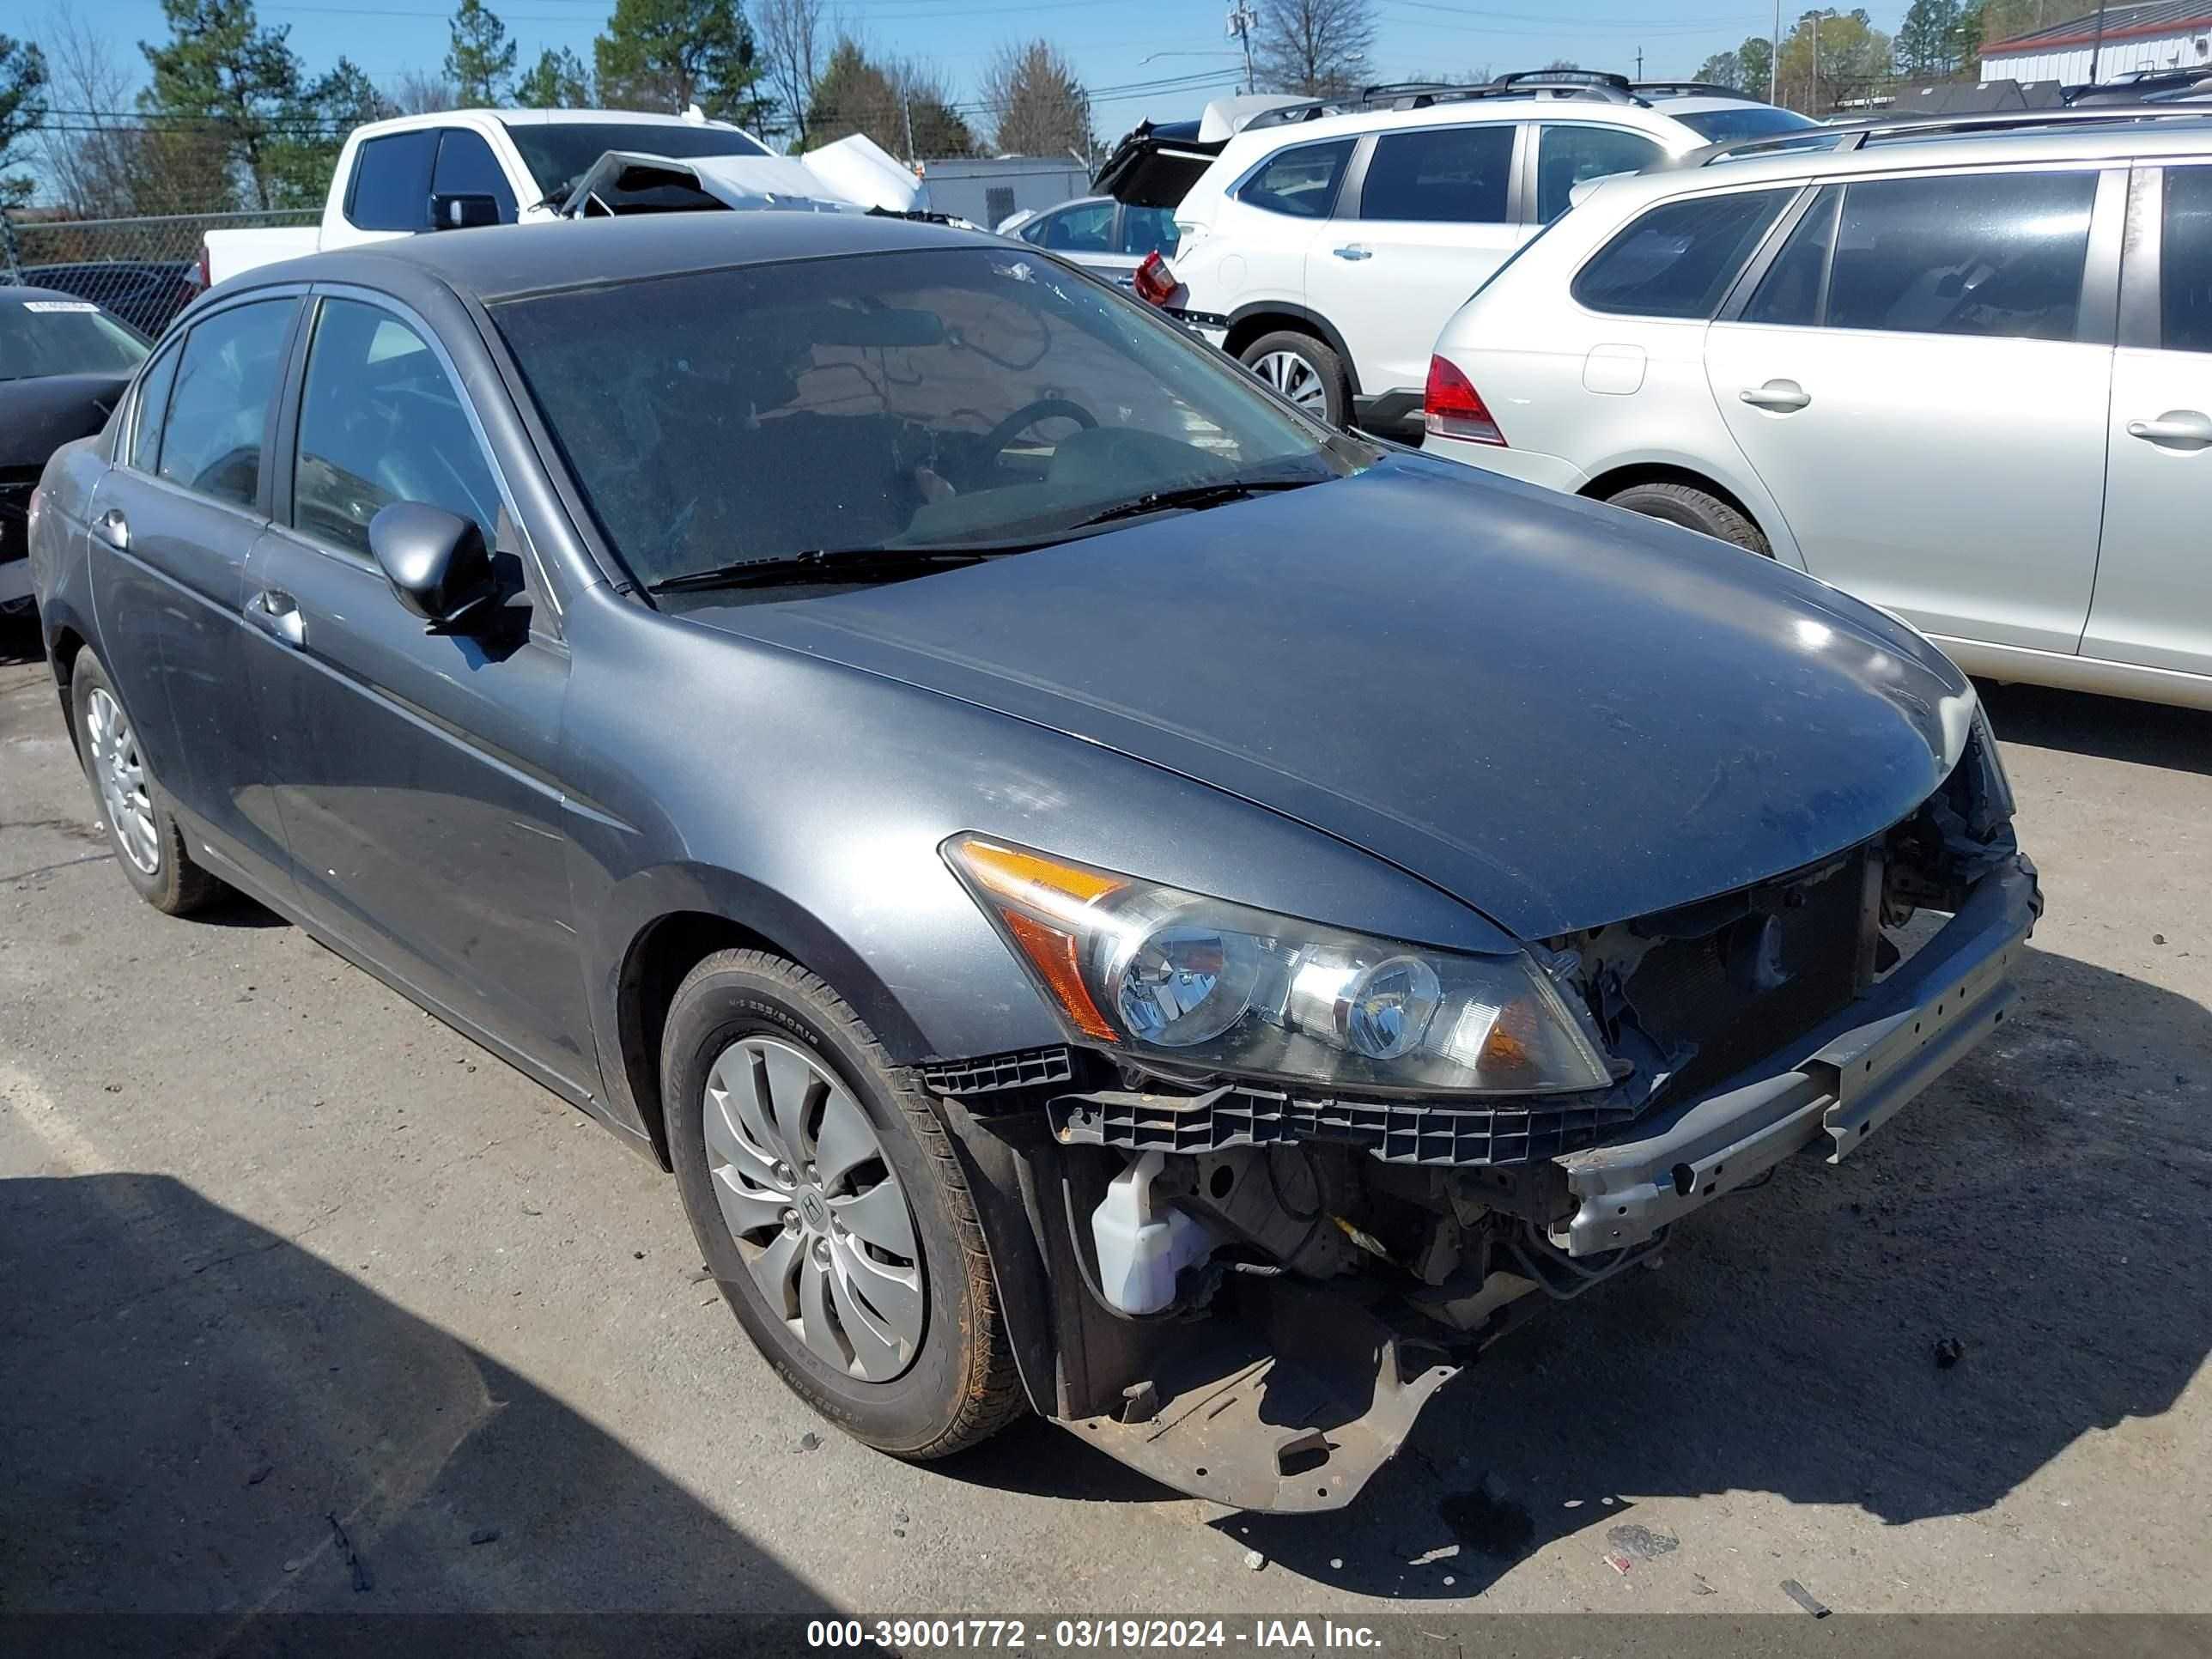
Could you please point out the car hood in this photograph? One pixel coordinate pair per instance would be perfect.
(1560, 713)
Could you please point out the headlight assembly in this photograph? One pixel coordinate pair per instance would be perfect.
(1197, 982)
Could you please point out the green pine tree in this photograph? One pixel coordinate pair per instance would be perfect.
(670, 54)
(558, 80)
(22, 107)
(481, 57)
(230, 84)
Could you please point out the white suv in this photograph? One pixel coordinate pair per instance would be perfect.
(1328, 242)
(1966, 378)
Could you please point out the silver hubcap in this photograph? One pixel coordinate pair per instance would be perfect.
(120, 777)
(1296, 379)
(819, 1218)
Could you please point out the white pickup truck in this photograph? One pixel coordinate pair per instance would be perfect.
(462, 169)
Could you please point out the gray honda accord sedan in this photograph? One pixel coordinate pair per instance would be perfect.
(1110, 898)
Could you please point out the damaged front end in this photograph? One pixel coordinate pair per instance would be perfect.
(1249, 1278)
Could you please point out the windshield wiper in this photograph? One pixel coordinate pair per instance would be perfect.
(858, 564)
(1196, 497)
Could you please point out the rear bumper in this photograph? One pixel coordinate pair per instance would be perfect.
(1860, 1068)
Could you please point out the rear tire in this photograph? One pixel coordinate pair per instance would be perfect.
(877, 1211)
(1304, 371)
(141, 829)
(1694, 509)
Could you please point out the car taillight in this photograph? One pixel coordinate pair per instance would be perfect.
(204, 282)
(1452, 407)
(1154, 282)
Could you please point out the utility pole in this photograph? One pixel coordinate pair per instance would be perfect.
(1639, 63)
(906, 110)
(1774, 58)
(2097, 43)
(1243, 20)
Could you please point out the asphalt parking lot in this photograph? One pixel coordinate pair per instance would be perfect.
(305, 1301)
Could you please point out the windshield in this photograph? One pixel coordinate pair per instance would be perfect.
(54, 334)
(921, 399)
(1729, 126)
(559, 154)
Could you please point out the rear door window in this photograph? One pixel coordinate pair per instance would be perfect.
(1452, 175)
(1086, 230)
(1569, 155)
(2185, 261)
(219, 411)
(391, 185)
(1992, 254)
(466, 166)
(1146, 228)
(1679, 258)
(1301, 182)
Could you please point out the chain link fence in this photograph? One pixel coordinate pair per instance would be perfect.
(144, 270)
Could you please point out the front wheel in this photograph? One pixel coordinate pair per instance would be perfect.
(1304, 371)
(827, 1203)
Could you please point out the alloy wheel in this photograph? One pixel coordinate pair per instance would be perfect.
(120, 776)
(1296, 379)
(817, 1214)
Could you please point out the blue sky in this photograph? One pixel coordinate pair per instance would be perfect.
(1113, 42)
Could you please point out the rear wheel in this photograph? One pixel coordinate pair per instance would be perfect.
(147, 842)
(827, 1201)
(1694, 509)
(1305, 371)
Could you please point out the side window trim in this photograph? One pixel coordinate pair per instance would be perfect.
(289, 435)
(156, 366)
(1731, 307)
(2140, 324)
(2098, 316)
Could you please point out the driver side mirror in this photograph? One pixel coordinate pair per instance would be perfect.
(437, 564)
(458, 212)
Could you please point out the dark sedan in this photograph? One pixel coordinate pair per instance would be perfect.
(1108, 897)
(64, 363)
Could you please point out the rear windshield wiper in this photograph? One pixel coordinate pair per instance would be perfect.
(1196, 496)
(858, 564)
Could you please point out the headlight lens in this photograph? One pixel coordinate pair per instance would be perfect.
(1207, 984)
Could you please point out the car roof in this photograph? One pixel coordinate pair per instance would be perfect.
(1903, 150)
(502, 260)
(1255, 140)
(547, 118)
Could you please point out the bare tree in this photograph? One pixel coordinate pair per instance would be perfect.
(791, 46)
(98, 162)
(419, 92)
(1039, 105)
(1315, 47)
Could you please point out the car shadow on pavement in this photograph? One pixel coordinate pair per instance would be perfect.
(204, 1418)
(2110, 728)
(2036, 1207)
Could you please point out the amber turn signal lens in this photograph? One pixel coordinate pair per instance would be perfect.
(1038, 898)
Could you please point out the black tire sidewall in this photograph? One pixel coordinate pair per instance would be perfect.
(161, 888)
(710, 1012)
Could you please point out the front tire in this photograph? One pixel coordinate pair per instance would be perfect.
(1304, 371)
(827, 1202)
(141, 829)
(1694, 509)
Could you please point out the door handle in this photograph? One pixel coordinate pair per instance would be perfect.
(114, 529)
(276, 614)
(2184, 429)
(1355, 252)
(1783, 397)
